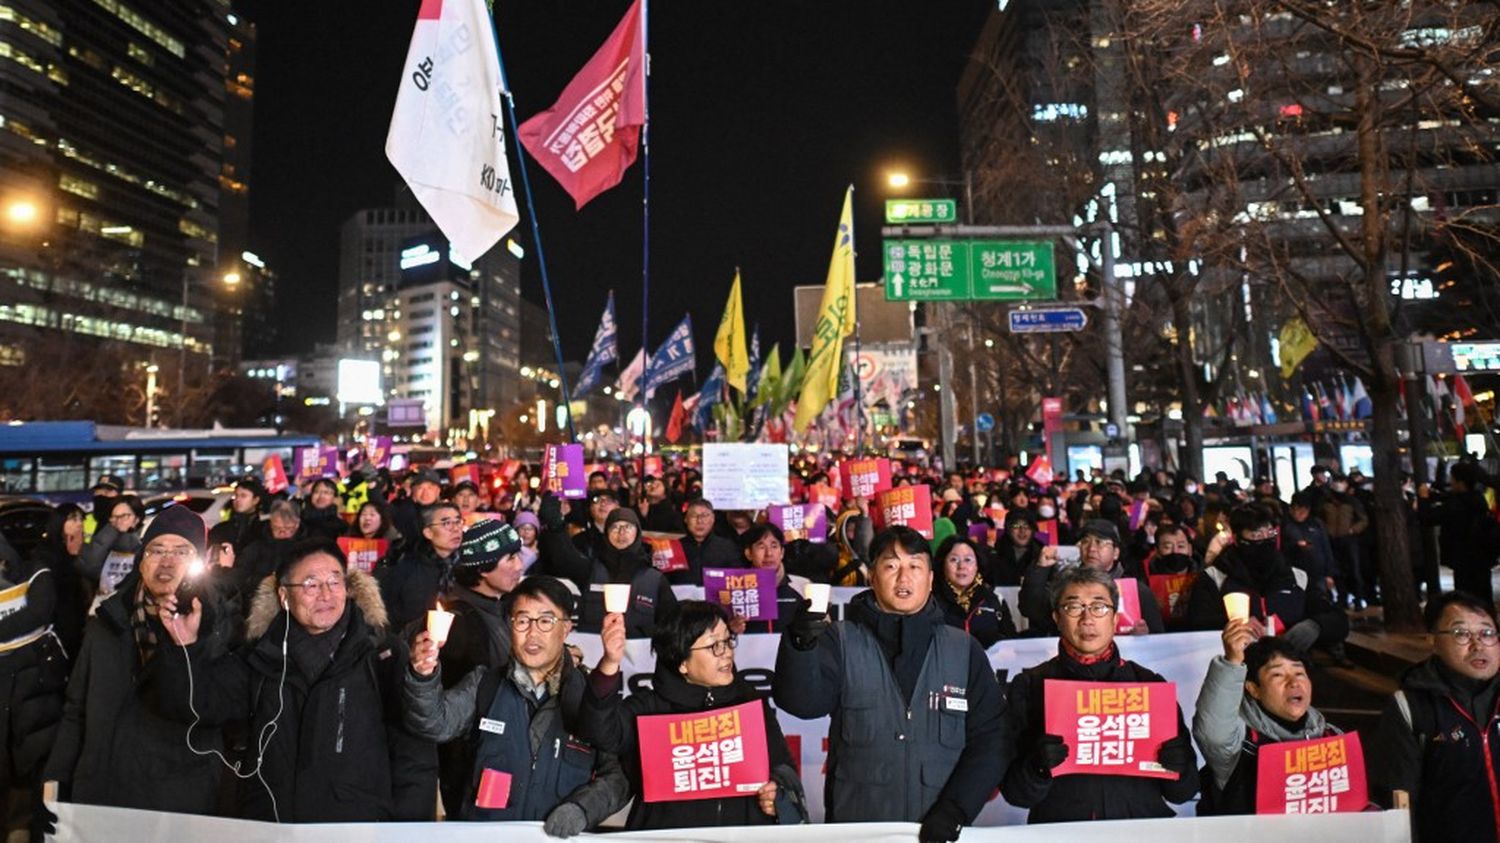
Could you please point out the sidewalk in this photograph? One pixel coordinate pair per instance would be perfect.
(1390, 653)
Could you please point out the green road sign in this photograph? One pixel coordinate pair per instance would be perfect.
(921, 211)
(960, 270)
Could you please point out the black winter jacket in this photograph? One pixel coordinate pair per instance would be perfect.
(1083, 797)
(987, 618)
(411, 586)
(339, 752)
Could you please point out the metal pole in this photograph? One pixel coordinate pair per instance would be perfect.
(182, 350)
(973, 401)
(1114, 339)
(947, 409)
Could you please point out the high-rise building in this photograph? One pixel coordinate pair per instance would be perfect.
(113, 118)
(446, 331)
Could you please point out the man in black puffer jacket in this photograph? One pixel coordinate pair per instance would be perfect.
(1084, 602)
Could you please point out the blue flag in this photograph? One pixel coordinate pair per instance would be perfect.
(708, 397)
(673, 359)
(753, 381)
(604, 350)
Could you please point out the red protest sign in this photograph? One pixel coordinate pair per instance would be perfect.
(667, 554)
(824, 494)
(650, 465)
(1112, 728)
(703, 754)
(1171, 592)
(363, 553)
(1046, 532)
(469, 471)
(274, 474)
(910, 506)
(864, 478)
(1318, 776)
(1128, 613)
(1040, 471)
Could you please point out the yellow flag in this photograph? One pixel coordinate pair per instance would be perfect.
(729, 343)
(835, 323)
(1296, 342)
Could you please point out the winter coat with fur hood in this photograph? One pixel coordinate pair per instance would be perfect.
(339, 752)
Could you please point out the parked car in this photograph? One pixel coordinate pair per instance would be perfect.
(23, 521)
(208, 503)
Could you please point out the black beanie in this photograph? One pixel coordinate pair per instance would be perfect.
(177, 520)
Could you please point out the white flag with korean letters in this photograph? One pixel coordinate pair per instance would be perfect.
(447, 136)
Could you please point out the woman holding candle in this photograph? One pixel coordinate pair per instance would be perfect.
(319, 685)
(694, 672)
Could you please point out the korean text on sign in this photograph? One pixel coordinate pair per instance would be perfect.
(748, 593)
(909, 506)
(704, 755)
(1319, 776)
(1112, 729)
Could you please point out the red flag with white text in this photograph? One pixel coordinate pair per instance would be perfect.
(589, 137)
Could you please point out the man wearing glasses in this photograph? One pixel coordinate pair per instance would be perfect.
(515, 724)
(1253, 564)
(1098, 550)
(917, 732)
(1437, 739)
(1084, 602)
(412, 585)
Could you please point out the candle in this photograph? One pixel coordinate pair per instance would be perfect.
(817, 594)
(438, 623)
(1237, 605)
(616, 597)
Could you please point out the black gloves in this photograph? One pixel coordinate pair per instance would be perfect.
(942, 824)
(1177, 755)
(1050, 751)
(806, 626)
(550, 512)
(566, 820)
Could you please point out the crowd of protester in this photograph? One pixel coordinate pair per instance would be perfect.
(248, 670)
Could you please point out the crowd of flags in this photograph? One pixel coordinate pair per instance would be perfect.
(1344, 398)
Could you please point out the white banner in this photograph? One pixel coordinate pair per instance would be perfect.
(744, 476)
(90, 824)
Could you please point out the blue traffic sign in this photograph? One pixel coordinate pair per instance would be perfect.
(984, 422)
(1048, 320)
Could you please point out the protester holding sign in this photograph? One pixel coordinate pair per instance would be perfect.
(1254, 565)
(763, 547)
(620, 557)
(510, 722)
(111, 553)
(1099, 550)
(694, 674)
(1436, 738)
(1257, 693)
(967, 601)
(1084, 602)
(917, 733)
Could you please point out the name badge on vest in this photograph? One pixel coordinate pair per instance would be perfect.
(496, 727)
(955, 703)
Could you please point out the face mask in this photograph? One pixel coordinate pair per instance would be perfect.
(1190, 488)
(1173, 562)
(1046, 511)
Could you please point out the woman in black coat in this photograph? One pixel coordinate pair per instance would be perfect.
(323, 667)
(967, 601)
(694, 672)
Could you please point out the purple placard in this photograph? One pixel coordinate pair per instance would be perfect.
(313, 463)
(746, 592)
(562, 471)
(800, 521)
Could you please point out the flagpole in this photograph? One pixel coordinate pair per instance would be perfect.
(645, 214)
(536, 233)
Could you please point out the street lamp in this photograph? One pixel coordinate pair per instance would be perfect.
(899, 180)
(22, 213)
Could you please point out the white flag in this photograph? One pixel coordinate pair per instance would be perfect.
(630, 378)
(447, 137)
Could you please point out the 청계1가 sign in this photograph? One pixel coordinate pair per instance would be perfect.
(959, 270)
(920, 211)
(1048, 320)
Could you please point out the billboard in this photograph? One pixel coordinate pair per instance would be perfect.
(430, 258)
(359, 382)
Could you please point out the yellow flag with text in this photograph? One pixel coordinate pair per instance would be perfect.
(835, 323)
(729, 343)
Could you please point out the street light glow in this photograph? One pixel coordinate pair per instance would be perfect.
(898, 180)
(231, 278)
(22, 212)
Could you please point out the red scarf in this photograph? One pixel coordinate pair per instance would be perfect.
(1082, 659)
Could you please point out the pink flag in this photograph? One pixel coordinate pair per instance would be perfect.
(589, 137)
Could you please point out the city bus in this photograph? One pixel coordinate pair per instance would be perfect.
(61, 460)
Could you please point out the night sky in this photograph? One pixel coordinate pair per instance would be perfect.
(761, 113)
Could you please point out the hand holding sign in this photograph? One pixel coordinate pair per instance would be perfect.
(704, 754)
(1112, 728)
(1319, 776)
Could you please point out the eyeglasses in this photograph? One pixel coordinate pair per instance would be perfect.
(312, 585)
(1076, 610)
(447, 523)
(543, 623)
(176, 554)
(1463, 636)
(621, 526)
(1262, 534)
(124, 516)
(720, 647)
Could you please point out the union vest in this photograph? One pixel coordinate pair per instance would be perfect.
(887, 761)
(640, 618)
(502, 742)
